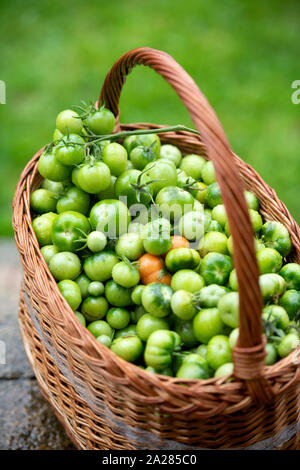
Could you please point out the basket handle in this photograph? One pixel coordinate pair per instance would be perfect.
(250, 350)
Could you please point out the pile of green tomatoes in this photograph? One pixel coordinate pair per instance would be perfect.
(138, 240)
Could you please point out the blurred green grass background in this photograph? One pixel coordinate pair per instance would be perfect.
(244, 55)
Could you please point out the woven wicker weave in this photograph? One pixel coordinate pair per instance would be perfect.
(107, 403)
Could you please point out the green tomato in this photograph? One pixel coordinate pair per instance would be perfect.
(213, 195)
(54, 186)
(83, 282)
(186, 332)
(208, 173)
(105, 340)
(111, 217)
(99, 266)
(48, 251)
(233, 337)
(182, 305)
(137, 313)
(71, 292)
(128, 347)
(209, 296)
(94, 177)
(100, 327)
(130, 245)
(109, 192)
(199, 192)
(291, 274)
(271, 354)
(160, 347)
(290, 301)
(74, 176)
(42, 201)
(130, 330)
(80, 318)
(129, 142)
(256, 220)
(228, 307)
(101, 121)
(207, 324)
(275, 235)
(136, 295)
(118, 318)
(173, 202)
(94, 308)
(157, 245)
(156, 299)
(187, 280)
(192, 165)
(172, 153)
(125, 274)
(219, 214)
(96, 241)
(252, 200)
(277, 314)
(213, 242)
(117, 295)
(148, 323)
(57, 135)
(269, 260)
(192, 370)
(65, 265)
(214, 226)
(202, 350)
(115, 157)
(141, 156)
(223, 370)
(69, 121)
(269, 286)
(162, 170)
(95, 288)
(75, 199)
(149, 141)
(218, 351)
(233, 282)
(52, 169)
(288, 344)
(215, 268)
(182, 258)
(67, 230)
(42, 226)
(70, 150)
(133, 185)
(193, 225)
(168, 371)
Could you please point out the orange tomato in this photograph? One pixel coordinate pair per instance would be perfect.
(179, 242)
(151, 269)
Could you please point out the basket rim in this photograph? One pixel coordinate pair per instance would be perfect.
(90, 342)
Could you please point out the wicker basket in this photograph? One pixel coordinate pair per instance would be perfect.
(107, 403)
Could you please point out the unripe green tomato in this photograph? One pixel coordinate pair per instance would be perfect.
(80, 318)
(100, 327)
(172, 153)
(192, 165)
(136, 295)
(94, 308)
(218, 213)
(42, 201)
(182, 305)
(269, 260)
(225, 369)
(188, 280)
(288, 344)
(69, 121)
(95, 288)
(228, 307)
(213, 242)
(83, 282)
(148, 323)
(233, 337)
(71, 292)
(42, 226)
(271, 354)
(208, 173)
(65, 265)
(291, 274)
(128, 347)
(115, 157)
(118, 318)
(252, 200)
(105, 340)
(101, 121)
(218, 351)
(207, 324)
(48, 251)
